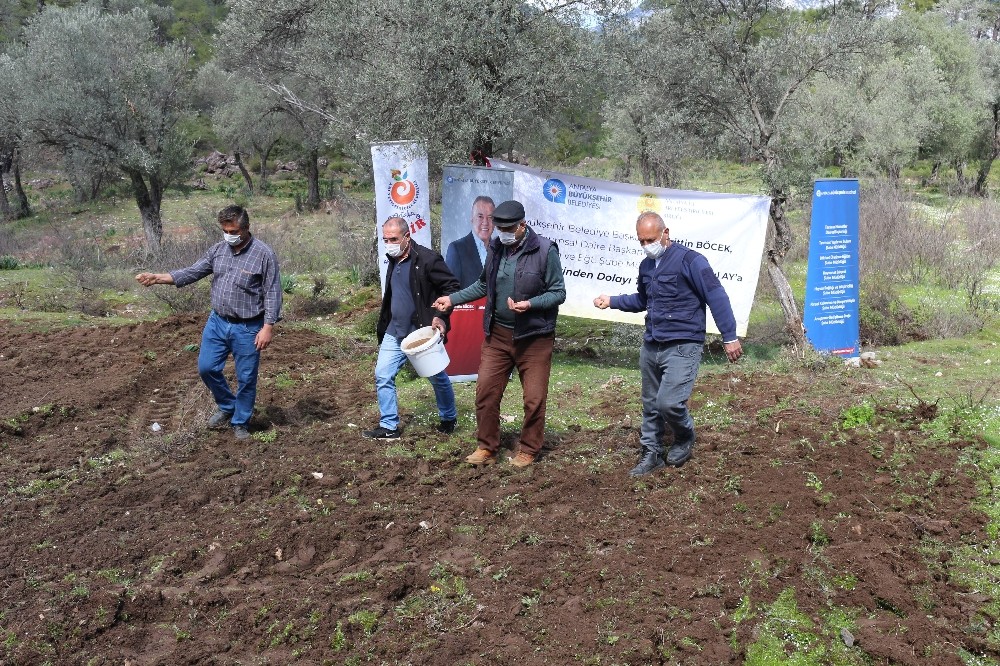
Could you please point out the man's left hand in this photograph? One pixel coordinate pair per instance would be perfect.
(519, 306)
(263, 338)
(438, 325)
(733, 350)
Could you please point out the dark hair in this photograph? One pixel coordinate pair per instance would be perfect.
(483, 199)
(235, 213)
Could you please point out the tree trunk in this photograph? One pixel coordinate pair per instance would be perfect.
(243, 170)
(781, 242)
(312, 175)
(935, 171)
(148, 199)
(21, 208)
(265, 153)
(963, 185)
(981, 187)
(5, 212)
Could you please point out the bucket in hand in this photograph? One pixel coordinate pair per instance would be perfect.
(425, 349)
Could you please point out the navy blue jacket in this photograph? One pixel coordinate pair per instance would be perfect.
(674, 296)
(462, 258)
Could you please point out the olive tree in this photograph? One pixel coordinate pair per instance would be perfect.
(246, 116)
(11, 143)
(98, 84)
(463, 76)
(736, 71)
(980, 20)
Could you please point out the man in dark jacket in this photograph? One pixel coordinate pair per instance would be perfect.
(415, 278)
(523, 284)
(674, 286)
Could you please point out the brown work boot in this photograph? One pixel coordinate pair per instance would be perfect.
(522, 459)
(481, 457)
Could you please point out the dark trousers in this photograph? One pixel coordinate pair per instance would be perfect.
(500, 355)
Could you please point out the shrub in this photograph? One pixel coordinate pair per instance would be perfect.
(883, 318)
(974, 256)
(9, 263)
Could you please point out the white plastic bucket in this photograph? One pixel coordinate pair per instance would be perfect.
(425, 349)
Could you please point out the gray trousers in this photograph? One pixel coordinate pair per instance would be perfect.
(668, 373)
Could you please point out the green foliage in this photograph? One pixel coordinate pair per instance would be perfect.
(9, 263)
(471, 75)
(366, 619)
(786, 637)
(119, 98)
(817, 534)
(856, 416)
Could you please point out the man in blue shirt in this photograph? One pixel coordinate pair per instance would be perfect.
(674, 286)
(246, 303)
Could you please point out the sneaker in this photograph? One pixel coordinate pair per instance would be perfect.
(481, 457)
(522, 459)
(447, 427)
(381, 433)
(219, 419)
(680, 454)
(241, 433)
(649, 464)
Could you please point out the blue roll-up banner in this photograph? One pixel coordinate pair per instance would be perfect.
(831, 303)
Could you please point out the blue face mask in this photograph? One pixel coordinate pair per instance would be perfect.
(232, 239)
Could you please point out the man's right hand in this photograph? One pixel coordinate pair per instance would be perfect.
(443, 303)
(149, 279)
(602, 302)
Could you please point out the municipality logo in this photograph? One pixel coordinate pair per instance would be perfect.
(403, 191)
(554, 190)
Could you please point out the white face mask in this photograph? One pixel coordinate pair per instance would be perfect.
(393, 250)
(231, 238)
(653, 250)
(507, 237)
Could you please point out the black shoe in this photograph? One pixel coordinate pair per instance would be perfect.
(649, 464)
(219, 419)
(447, 427)
(381, 433)
(680, 454)
(241, 433)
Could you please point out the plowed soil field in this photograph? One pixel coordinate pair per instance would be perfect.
(309, 544)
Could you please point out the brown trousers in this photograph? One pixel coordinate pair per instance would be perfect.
(500, 355)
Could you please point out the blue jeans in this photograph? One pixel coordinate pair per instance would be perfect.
(668, 373)
(220, 339)
(390, 360)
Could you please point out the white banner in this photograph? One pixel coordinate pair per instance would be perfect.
(593, 221)
(401, 190)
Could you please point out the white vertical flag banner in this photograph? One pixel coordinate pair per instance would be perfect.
(593, 222)
(401, 190)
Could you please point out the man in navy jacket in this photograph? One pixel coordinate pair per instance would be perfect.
(674, 286)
